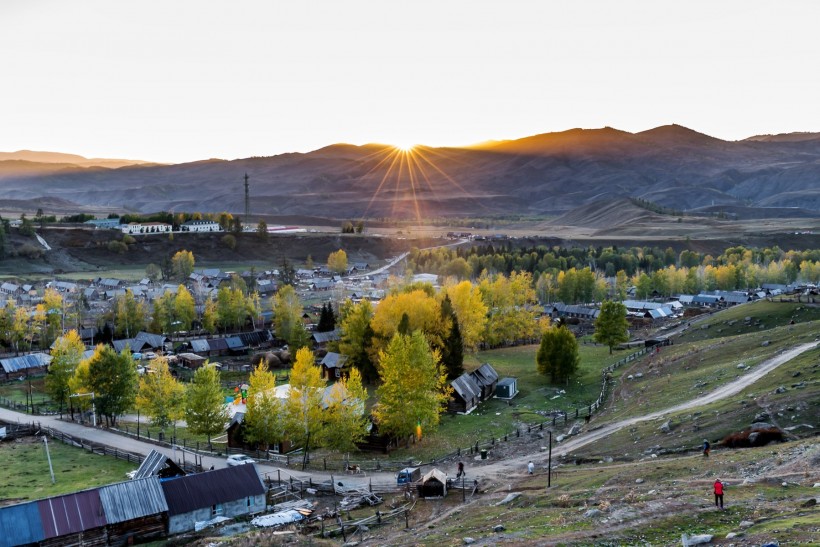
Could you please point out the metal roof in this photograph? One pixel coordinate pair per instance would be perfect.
(20, 524)
(158, 464)
(217, 344)
(132, 499)
(466, 388)
(200, 345)
(235, 342)
(71, 513)
(23, 362)
(153, 340)
(192, 492)
(334, 360)
(322, 337)
(485, 375)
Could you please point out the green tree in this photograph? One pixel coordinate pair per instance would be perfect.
(129, 315)
(356, 337)
(182, 265)
(557, 356)
(262, 230)
(264, 411)
(153, 272)
(210, 316)
(611, 327)
(54, 310)
(337, 261)
(327, 319)
(205, 410)
(452, 347)
(346, 423)
(304, 420)
(112, 378)
(184, 310)
(287, 318)
(414, 389)
(160, 396)
(229, 241)
(66, 354)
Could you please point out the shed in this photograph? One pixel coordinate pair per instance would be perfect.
(190, 360)
(159, 465)
(79, 516)
(466, 394)
(229, 492)
(19, 367)
(433, 484)
(507, 388)
(136, 511)
(332, 365)
(486, 378)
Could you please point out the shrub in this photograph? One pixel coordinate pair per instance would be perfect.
(229, 241)
(117, 246)
(128, 239)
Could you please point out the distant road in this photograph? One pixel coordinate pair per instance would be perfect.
(401, 257)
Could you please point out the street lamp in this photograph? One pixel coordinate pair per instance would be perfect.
(93, 410)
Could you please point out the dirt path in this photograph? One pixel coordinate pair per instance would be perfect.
(496, 470)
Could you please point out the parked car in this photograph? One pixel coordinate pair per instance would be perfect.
(149, 355)
(239, 459)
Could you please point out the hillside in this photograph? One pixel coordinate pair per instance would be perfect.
(544, 174)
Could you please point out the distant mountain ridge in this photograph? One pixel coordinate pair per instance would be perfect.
(67, 159)
(551, 173)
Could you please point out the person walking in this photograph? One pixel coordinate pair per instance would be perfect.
(460, 469)
(531, 467)
(718, 494)
(706, 448)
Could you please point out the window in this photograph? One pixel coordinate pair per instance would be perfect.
(216, 510)
(251, 502)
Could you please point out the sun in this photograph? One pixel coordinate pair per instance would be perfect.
(404, 147)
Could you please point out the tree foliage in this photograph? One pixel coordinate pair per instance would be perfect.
(182, 265)
(611, 327)
(337, 261)
(304, 420)
(557, 355)
(264, 422)
(287, 318)
(205, 410)
(470, 311)
(423, 312)
(356, 338)
(344, 415)
(160, 396)
(414, 388)
(129, 315)
(510, 301)
(66, 354)
(112, 378)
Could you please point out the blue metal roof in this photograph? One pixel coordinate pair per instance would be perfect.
(20, 524)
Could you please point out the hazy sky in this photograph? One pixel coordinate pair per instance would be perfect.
(175, 80)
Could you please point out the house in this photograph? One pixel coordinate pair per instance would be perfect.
(433, 484)
(103, 223)
(22, 366)
(486, 378)
(10, 289)
(63, 286)
(507, 388)
(200, 226)
(135, 511)
(76, 518)
(190, 360)
(133, 228)
(466, 394)
(322, 338)
(230, 492)
(332, 365)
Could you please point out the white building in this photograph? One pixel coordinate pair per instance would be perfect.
(200, 226)
(145, 228)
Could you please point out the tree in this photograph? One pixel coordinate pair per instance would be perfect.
(205, 410)
(337, 261)
(231, 308)
(264, 411)
(414, 389)
(303, 408)
(229, 241)
(262, 230)
(53, 304)
(470, 311)
(210, 316)
(160, 395)
(287, 317)
(558, 354)
(327, 319)
(356, 337)
(423, 311)
(112, 378)
(182, 265)
(153, 272)
(129, 315)
(346, 423)
(66, 354)
(184, 310)
(611, 327)
(452, 347)
(510, 304)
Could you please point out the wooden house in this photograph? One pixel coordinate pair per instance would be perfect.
(486, 378)
(466, 394)
(332, 365)
(190, 360)
(13, 368)
(135, 511)
(230, 492)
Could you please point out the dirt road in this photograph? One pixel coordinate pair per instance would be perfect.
(494, 470)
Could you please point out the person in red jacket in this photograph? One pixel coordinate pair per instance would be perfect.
(718, 493)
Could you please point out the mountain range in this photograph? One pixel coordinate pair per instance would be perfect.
(546, 174)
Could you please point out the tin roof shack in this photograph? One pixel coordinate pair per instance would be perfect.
(332, 365)
(20, 525)
(157, 464)
(229, 492)
(190, 360)
(486, 378)
(433, 484)
(24, 365)
(136, 511)
(73, 519)
(466, 394)
(507, 388)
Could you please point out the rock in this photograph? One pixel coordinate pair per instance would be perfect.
(592, 513)
(761, 425)
(746, 524)
(753, 437)
(801, 385)
(784, 484)
(741, 365)
(771, 544)
(559, 438)
(697, 539)
(796, 373)
(765, 343)
(811, 502)
(350, 544)
(609, 459)
(761, 417)
(816, 485)
(498, 528)
(731, 535)
(575, 429)
(780, 389)
(639, 481)
(667, 426)
(639, 375)
(510, 497)
(468, 541)
(630, 377)
(747, 319)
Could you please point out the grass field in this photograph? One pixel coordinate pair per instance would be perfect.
(26, 473)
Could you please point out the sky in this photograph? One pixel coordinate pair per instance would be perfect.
(181, 80)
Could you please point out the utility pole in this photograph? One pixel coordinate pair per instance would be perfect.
(549, 463)
(247, 200)
(48, 455)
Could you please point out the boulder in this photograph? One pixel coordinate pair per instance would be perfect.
(666, 427)
(468, 541)
(761, 425)
(746, 524)
(639, 481)
(761, 417)
(498, 528)
(731, 535)
(753, 437)
(765, 343)
(697, 539)
(592, 513)
(510, 497)
(771, 544)
(780, 389)
(575, 429)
